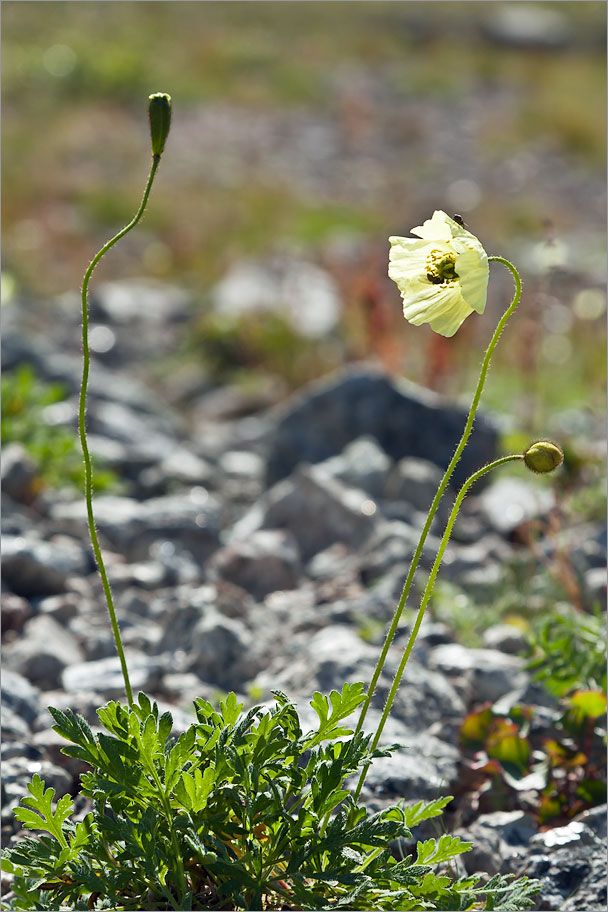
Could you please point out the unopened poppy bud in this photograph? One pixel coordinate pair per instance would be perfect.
(159, 111)
(543, 456)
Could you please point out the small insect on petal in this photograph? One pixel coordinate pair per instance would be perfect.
(442, 275)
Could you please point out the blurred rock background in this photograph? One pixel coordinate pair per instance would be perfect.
(303, 135)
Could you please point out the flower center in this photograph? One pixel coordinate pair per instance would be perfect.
(441, 267)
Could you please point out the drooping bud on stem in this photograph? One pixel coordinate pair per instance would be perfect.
(159, 111)
(543, 456)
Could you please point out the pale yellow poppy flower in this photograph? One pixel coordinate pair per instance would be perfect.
(443, 277)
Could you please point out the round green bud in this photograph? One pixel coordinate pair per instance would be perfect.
(159, 111)
(543, 456)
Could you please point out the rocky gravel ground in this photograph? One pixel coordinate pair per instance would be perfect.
(251, 553)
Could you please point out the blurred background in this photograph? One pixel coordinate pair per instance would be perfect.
(304, 134)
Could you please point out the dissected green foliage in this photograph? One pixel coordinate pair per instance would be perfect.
(53, 449)
(241, 811)
(568, 652)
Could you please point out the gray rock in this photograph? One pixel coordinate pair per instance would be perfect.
(362, 464)
(323, 661)
(221, 651)
(490, 673)
(180, 468)
(14, 727)
(61, 608)
(425, 767)
(483, 583)
(189, 520)
(570, 862)
(415, 481)
(15, 612)
(424, 699)
(316, 509)
(34, 567)
(135, 302)
(505, 638)
(105, 676)
(511, 502)
(392, 545)
(44, 650)
(241, 464)
(500, 840)
(595, 819)
(268, 560)
(406, 420)
(19, 695)
(528, 26)
(143, 574)
(18, 772)
(19, 473)
(595, 585)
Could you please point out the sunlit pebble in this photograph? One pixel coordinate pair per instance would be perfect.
(201, 520)
(589, 304)
(556, 348)
(101, 339)
(550, 255)
(199, 495)
(449, 556)
(463, 195)
(59, 60)
(514, 513)
(368, 508)
(557, 318)
(162, 549)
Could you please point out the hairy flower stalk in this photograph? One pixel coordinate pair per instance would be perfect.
(160, 119)
(447, 475)
(548, 451)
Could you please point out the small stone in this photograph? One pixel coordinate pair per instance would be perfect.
(506, 638)
(316, 509)
(105, 676)
(492, 673)
(15, 612)
(268, 560)
(19, 473)
(33, 567)
(44, 650)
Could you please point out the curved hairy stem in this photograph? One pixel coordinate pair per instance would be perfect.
(82, 429)
(442, 486)
(426, 596)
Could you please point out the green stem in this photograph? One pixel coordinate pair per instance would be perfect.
(181, 875)
(82, 430)
(426, 596)
(441, 489)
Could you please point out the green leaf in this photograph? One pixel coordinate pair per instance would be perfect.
(230, 709)
(414, 814)
(591, 704)
(342, 705)
(42, 817)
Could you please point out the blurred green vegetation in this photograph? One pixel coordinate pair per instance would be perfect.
(383, 85)
(53, 449)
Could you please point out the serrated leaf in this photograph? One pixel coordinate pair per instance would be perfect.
(40, 814)
(414, 814)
